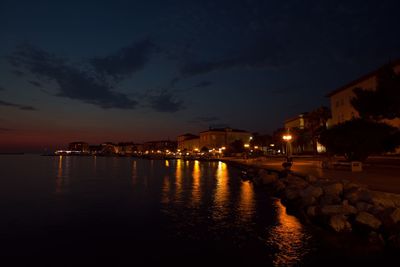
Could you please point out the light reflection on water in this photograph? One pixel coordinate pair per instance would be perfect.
(221, 195)
(288, 237)
(134, 173)
(247, 202)
(196, 192)
(203, 193)
(62, 174)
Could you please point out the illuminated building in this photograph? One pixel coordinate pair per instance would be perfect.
(341, 107)
(189, 142)
(222, 137)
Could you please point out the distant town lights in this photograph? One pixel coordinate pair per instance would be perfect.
(246, 145)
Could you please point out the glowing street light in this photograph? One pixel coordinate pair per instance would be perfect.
(246, 145)
(287, 137)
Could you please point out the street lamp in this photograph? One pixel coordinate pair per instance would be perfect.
(288, 139)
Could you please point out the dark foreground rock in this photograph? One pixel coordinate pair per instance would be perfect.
(342, 207)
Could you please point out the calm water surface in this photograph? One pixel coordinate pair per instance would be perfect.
(124, 211)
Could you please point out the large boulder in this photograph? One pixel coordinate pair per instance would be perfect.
(395, 216)
(330, 210)
(313, 191)
(296, 182)
(364, 206)
(339, 223)
(278, 186)
(333, 189)
(292, 192)
(358, 194)
(267, 177)
(311, 178)
(348, 186)
(384, 200)
(308, 200)
(330, 200)
(368, 220)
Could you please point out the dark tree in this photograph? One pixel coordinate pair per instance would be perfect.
(261, 140)
(358, 138)
(236, 147)
(382, 103)
(204, 149)
(301, 140)
(316, 124)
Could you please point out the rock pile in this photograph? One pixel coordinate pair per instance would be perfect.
(341, 206)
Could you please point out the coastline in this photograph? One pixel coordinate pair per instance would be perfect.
(346, 209)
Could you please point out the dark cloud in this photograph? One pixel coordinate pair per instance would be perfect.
(166, 102)
(263, 54)
(73, 82)
(204, 119)
(125, 61)
(203, 84)
(17, 73)
(22, 107)
(174, 81)
(35, 83)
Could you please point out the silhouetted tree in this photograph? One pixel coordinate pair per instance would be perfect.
(382, 103)
(204, 149)
(301, 139)
(358, 138)
(236, 147)
(316, 124)
(261, 140)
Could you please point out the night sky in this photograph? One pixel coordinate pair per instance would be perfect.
(142, 70)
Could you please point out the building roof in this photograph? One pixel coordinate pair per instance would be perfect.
(302, 115)
(189, 135)
(225, 130)
(363, 78)
(160, 141)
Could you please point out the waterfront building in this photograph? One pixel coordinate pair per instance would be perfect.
(189, 142)
(126, 149)
(162, 146)
(340, 99)
(216, 138)
(299, 122)
(81, 147)
(109, 149)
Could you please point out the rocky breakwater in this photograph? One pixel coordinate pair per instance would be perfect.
(341, 206)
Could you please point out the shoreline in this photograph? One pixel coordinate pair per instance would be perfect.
(339, 206)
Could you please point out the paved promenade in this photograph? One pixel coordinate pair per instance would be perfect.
(378, 174)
